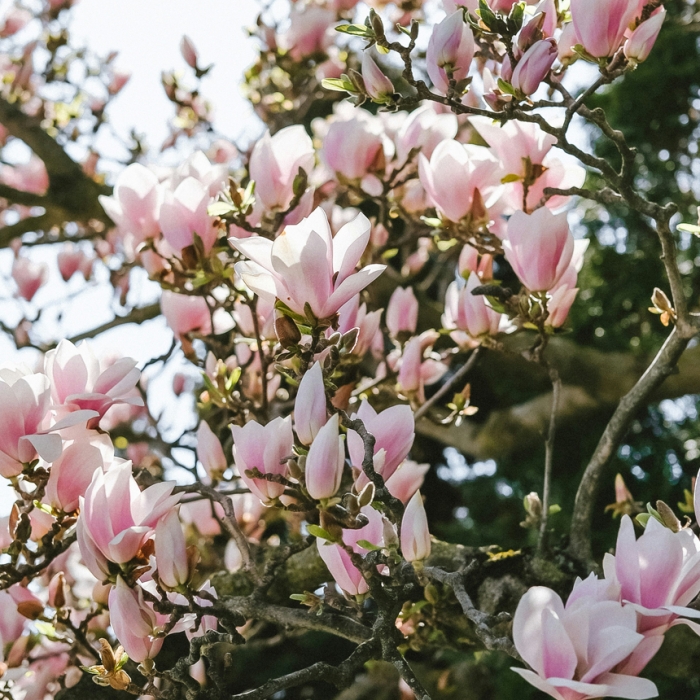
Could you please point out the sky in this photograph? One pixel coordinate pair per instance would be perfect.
(147, 34)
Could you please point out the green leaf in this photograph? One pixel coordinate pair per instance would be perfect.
(503, 86)
(554, 509)
(432, 222)
(368, 546)
(390, 253)
(512, 177)
(318, 531)
(338, 84)
(355, 30)
(220, 209)
(690, 228)
(301, 597)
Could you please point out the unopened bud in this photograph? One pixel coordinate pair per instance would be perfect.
(366, 495)
(287, 332)
(668, 517)
(57, 591)
(391, 538)
(431, 594)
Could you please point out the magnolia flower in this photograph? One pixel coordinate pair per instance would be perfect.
(135, 204)
(534, 66)
(393, 430)
(29, 276)
(78, 381)
(116, 518)
(600, 25)
(172, 560)
(539, 247)
(184, 213)
(573, 650)
(469, 312)
(659, 574)
(306, 265)
(450, 51)
(402, 311)
(344, 572)
(353, 315)
(325, 461)
(310, 413)
(454, 175)
(210, 452)
(415, 536)
(263, 448)
(642, 40)
(424, 129)
(84, 451)
(406, 480)
(134, 622)
(184, 313)
(25, 400)
(275, 162)
(378, 86)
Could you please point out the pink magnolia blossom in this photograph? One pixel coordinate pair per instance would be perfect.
(642, 40)
(15, 19)
(402, 311)
(184, 213)
(600, 25)
(406, 480)
(573, 650)
(28, 177)
(515, 143)
(70, 475)
(275, 162)
(471, 261)
(134, 622)
(416, 371)
(353, 315)
(309, 32)
(310, 413)
(539, 247)
(29, 276)
(185, 314)
(559, 304)
(424, 129)
(659, 574)
(116, 518)
(79, 382)
(378, 86)
(454, 174)
(72, 259)
(325, 461)
(415, 536)
(468, 312)
(393, 430)
(450, 51)
(12, 622)
(263, 448)
(25, 400)
(344, 572)
(210, 452)
(188, 51)
(567, 40)
(534, 66)
(171, 552)
(135, 203)
(354, 145)
(305, 265)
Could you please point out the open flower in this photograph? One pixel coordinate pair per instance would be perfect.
(306, 265)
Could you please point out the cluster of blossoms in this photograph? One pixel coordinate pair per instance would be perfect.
(271, 265)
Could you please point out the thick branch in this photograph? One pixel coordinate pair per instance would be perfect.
(663, 365)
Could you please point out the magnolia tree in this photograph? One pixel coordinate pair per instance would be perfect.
(403, 222)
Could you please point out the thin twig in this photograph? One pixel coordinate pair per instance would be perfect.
(548, 459)
(462, 372)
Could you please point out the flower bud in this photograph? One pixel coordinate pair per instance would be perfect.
(402, 311)
(310, 413)
(377, 85)
(188, 51)
(643, 38)
(534, 66)
(171, 553)
(210, 452)
(415, 536)
(325, 461)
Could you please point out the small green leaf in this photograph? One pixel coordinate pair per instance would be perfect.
(338, 84)
(390, 253)
(318, 531)
(695, 230)
(301, 597)
(355, 30)
(220, 209)
(368, 546)
(503, 86)
(512, 177)
(554, 509)
(432, 222)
